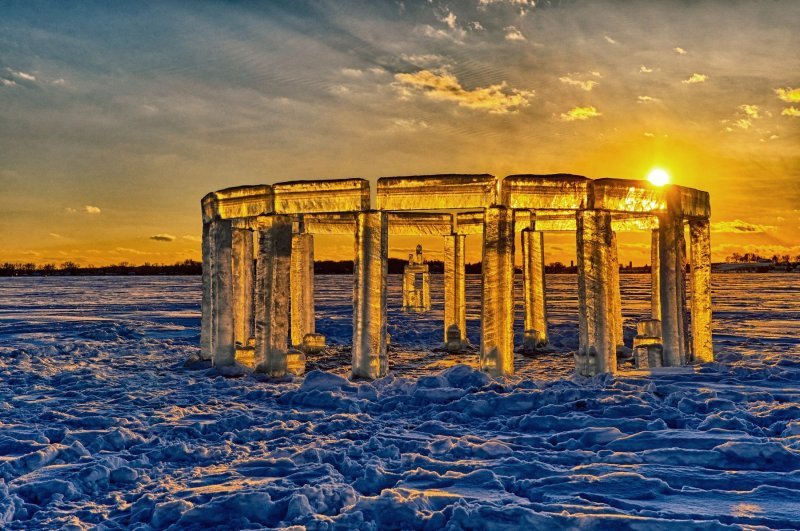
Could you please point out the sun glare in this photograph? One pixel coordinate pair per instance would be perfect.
(658, 177)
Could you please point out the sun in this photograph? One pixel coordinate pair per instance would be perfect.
(658, 177)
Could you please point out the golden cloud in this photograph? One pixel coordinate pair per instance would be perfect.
(789, 95)
(584, 85)
(740, 227)
(496, 99)
(580, 113)
(695, 78)
(790, 111)
(750, 110)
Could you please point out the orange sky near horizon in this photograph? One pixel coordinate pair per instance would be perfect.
(115, 121)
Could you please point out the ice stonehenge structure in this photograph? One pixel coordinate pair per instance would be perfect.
(266, 305)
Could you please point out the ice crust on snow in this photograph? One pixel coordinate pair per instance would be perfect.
(101, 425)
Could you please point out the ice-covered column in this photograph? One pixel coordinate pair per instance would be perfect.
(497, 299)
(616, 295)
(534, 286)
(455, 308)
(369, 295)
(409, 290)
(302, 287)
(272, 293)
(700, 248)
(243, 277)
(217, 328)
(426, 290)
(597, 351)
(655, 278)
(672, 286)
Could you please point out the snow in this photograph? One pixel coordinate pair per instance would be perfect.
(102, 425)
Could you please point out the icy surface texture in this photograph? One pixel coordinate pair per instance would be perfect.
(238, 202)
(616, 302)
(330, 223)
(533, 282)
(625, 195)
(243, 285)
(369, 295)
(337, 195)
(272, 294)
(433, 192)
(545, 192)
(497, 299)
(302, 287)
(672, 284)
(455, 304)
(218, 324)
(597, 350)
(420, 224)
(700, 248)
(102, 426)
(655, 276)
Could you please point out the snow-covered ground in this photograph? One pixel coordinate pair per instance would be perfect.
(101, 425)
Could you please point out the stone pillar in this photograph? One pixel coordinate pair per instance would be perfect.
(369, 295)
(497, 292)
(455, 308)
(655, 278)
(616, 295)
(243, 277)
(217, 328)
(302, 287)
(700, 241)
(597, 351)
(272, 293)
(534, 288)
(672, 286)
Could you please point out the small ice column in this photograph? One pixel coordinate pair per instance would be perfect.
(700, 248)
(455, 308)
(672, 286)
(243, 277)
(534, 285)
(655, 278)
(597, 352)
(272, 293)
(302, 287)
(616, 295)
(409, 287)
(497, 300)
(369, 295)
(217, 328)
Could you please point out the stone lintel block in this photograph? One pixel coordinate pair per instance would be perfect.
(330, 195)
(238, 202)
(545, 192)
(436, 192)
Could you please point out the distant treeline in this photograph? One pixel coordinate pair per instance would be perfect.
(190, 267)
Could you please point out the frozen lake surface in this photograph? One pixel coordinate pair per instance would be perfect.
(102, 426)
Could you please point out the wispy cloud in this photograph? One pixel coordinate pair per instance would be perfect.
(680, 51)
(789, 95)
(695, 78)
(55, 235)
(740, 227)
(580, 113)
(646, 99)
(163, 237)
(609, 40)
(128, 250)
(192, 238)
(584, 85)
(790, 111)
(644, 70)
(513, 34)
(750, 110)
(89, 209)
(402, 124)
(497, 99)
(21, 75)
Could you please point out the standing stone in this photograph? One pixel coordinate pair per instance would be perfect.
(369, 295)
(597, 352)
(533, 283)
(497, 299)
(655, 277)
(272, 293)
(672, 284)
(243, 282)
(700, 246)
(302, 287)
(455, 307)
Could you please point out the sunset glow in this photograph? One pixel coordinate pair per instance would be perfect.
(658, 177)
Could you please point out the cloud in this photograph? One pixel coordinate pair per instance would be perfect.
(609, 39)
(55, 235)
(496, 99)
(7, 82)
(644, 70)
(22, 75)
(522, 3)
(71, 210)
(449, 19)
(695, 78)
(680, 51)
(790, 111)
(89, 209)
(191, 238)
(59, 81)
(401, 124)
(743, 123)
(584, 85)
(513, 34)
(750, 110)
(352, 72)
(128, 250)
(789, 95)
(740, 227)
(648, 134)
(646, 99)
(163, 237)
(580, 113)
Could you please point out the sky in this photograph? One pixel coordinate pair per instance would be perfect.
(117, 117)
